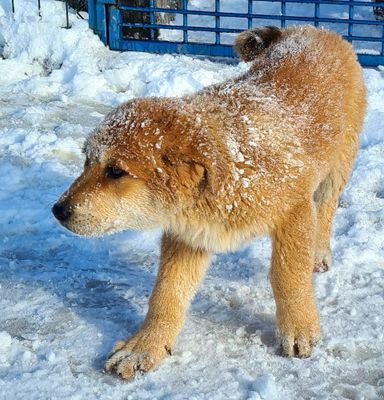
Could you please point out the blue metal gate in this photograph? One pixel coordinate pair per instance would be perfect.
(208, 27)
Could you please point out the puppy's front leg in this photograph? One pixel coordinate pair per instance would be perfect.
(181, 269)
(291, 278)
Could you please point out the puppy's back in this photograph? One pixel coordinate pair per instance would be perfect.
(313, 72)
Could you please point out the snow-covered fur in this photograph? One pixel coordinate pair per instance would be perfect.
(266, 153)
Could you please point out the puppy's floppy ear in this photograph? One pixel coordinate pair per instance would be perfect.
(190, 173)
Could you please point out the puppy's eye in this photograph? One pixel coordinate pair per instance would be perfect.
(114, 172)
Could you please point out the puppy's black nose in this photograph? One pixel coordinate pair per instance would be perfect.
(61, 211)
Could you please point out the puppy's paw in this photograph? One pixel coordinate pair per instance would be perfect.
(126, 363)
(323, 261)
(298, 336)
(136, 355)
(297, 345)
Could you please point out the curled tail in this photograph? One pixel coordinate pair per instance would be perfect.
(250, 43)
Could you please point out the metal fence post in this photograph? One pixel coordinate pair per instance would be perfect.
(67, 26)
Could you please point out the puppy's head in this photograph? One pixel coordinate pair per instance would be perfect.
(140, 170)
(106, 198)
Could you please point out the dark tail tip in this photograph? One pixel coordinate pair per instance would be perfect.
(250, 43)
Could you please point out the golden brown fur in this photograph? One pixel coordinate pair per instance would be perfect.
(266, 153)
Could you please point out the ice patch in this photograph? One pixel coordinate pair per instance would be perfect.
(5, 347)
(264, 388)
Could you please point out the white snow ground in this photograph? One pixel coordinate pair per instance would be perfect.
(65, 300)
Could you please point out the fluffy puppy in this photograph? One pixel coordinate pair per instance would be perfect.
(266, 153)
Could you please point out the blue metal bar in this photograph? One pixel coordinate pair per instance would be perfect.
(92, 15)
(317, 14)
(67, 26)
(185, 20)
(158, 46)
(278, 18)
(382, 44)
(370, 60)
(213, 50)
(217, 21)
(333, 2)
(181, 27)
(202, 12)
(250, 11)
(229, 30)
(283, 14)
(101, 22)
(114, 33)
(350, 15)
(260, 16)
(111, 2)
(152, 17)
(362, 38)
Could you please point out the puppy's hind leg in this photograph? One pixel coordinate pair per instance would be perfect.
(326, 199)
(181, 269)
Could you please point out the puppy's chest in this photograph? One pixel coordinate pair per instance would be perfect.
(220, 238)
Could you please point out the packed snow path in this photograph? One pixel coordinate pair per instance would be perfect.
(64, 300)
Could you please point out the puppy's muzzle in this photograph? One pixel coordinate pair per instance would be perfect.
(61, 211)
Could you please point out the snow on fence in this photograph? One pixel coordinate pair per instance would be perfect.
(208, 27)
